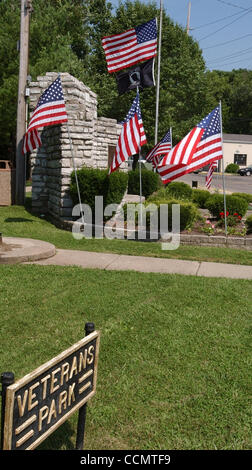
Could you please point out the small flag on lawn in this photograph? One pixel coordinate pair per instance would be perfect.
(49, 111)
(132, 135)
(130, 47)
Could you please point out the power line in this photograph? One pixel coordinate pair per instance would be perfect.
(231, 4)
(216, 21)
(227, 42)
(225, 26)
(235, 54)
(232, 62)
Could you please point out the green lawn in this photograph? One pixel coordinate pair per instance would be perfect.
(16, 221)
(175, 354)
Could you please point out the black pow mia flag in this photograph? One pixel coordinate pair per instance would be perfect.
(141, 75)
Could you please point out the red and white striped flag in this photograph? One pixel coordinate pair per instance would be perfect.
(161, 148)
(209, 175)
(182, 153)
(50, 110)
(32, 141)
(207, 150)
(130, 47)
(132, 136)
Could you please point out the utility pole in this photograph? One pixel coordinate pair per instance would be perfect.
(26, 8)
(188, 18)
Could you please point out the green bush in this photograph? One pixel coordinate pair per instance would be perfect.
(179, 190)
(188, 212)
(246, 196)
(150, 182)
(94, 182)
(232, 168)
(248, 223)
(234, 204)
(200, 196)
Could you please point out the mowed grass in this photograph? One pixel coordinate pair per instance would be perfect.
(175, 356)
(17, 221)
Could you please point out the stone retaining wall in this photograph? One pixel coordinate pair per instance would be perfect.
(244, 243)
(92, 139)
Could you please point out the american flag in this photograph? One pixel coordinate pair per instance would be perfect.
(50, 110)
(130, 47)
(132, 135)
(161, 148)
(208, 149)
(209, 175)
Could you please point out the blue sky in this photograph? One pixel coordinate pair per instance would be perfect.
(223, 29)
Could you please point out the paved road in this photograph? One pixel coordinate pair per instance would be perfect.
(233, 183)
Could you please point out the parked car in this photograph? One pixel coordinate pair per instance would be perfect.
(245, 171)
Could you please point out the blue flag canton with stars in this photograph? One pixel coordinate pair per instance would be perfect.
(166, 138)
(211, 124)
(147, 31)
(135, 109)
(53, 93)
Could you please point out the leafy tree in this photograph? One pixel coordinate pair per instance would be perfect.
(240, 102)
(66, 36)
(57, 30)
(182, 90)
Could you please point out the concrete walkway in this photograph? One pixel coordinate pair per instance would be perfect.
(112, 261)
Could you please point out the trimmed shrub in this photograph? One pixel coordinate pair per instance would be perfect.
(215, 205)
(232, 168)
(179, 190)
(200, 196)
(248, 223)
(188, 212)
(117, 185)
(246, 196)
(94, 182)
(150, 182)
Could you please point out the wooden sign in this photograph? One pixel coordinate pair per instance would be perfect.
(42, 400)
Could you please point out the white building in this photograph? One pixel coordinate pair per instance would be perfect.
(237, 148)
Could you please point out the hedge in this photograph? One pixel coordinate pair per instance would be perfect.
(246, 196)
(234, 204)
(150, 182)
(94, 182)
(179, 190)
(176, 190)
(232, 168)
(248, 223)
(200, 196)
(188, 212)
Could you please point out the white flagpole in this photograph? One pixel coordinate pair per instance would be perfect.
(75, 171)
(223, 177)
(140, 178)
(158, 72)
(171, 136)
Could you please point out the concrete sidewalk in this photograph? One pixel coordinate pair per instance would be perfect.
(113, 261)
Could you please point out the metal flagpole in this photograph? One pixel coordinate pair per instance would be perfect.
(140, 178)
(223, 178)
(158, 74)
(171, 136)
(75, 172)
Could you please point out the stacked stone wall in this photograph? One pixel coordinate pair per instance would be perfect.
(85, 137)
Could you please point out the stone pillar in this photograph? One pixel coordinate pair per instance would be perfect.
(52, 163)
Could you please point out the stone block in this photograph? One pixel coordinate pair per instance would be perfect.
(235, 241)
